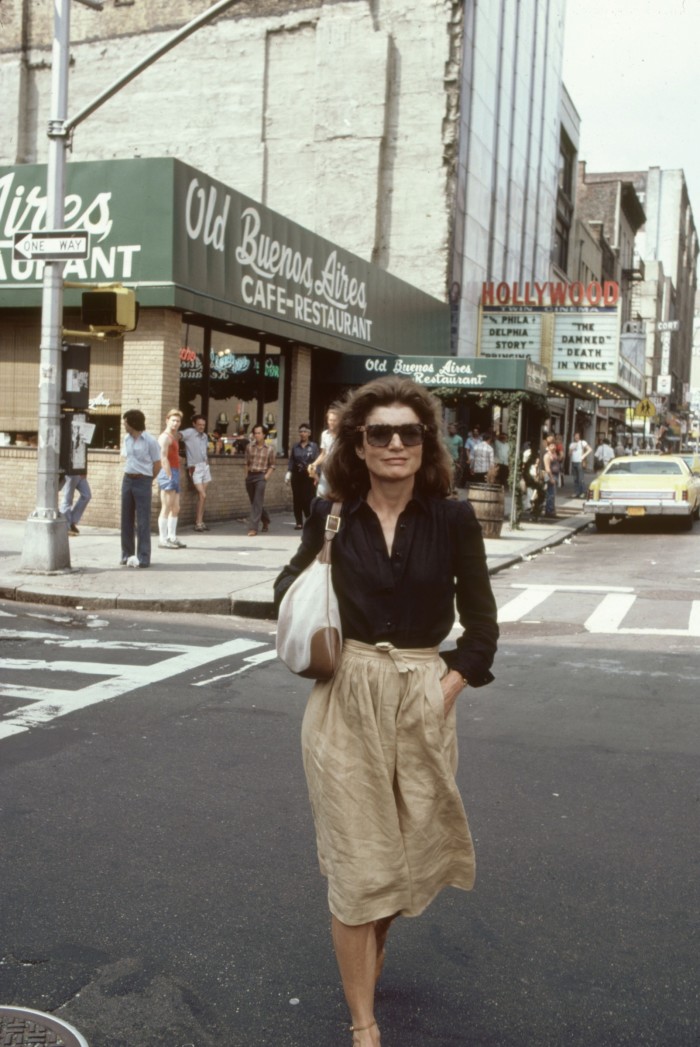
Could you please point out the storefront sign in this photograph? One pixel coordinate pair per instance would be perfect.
(184, 240)
(224, 365)
(576, 326)
(459, 372)
(511, 334)
(587, 349)
(551, 294)
(585, 345)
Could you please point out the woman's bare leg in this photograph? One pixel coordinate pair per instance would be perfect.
(356, 953)
(381, 930)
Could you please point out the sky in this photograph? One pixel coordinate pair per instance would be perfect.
(632, 68)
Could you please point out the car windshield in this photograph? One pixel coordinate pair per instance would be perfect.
(655, 467)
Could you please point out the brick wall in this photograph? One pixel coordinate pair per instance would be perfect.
(226, 496)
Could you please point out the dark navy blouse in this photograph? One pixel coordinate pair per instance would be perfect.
(407, 597)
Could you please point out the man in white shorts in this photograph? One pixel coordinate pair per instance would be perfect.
(196, 443)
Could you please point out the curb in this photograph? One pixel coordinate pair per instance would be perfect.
(242, 607)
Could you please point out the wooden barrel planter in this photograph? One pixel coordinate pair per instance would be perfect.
(488, 501)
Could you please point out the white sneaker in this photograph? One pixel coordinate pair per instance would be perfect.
(173, 543)
(164, 544)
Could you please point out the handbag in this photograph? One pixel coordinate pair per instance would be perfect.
(309, 634)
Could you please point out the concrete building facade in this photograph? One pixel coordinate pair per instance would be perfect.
(420, 137)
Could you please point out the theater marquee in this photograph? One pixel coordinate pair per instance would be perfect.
(573, 329)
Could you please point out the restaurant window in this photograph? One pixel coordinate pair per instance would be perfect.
(233, 380)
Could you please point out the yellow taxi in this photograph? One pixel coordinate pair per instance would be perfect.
(645, 485)
(691, 459)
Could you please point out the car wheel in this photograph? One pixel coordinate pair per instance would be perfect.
(602, 523)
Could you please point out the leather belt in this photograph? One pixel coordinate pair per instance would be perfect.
(136, 476)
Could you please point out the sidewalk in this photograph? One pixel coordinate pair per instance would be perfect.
(220, 572)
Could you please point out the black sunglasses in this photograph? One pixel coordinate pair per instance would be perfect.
(411, 434)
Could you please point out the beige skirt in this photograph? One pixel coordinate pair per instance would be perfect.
(380, 759)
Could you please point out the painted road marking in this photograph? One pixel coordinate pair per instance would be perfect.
(52, 703)
(610, 613)
(254, 659)
(533, 595)
(606, 619)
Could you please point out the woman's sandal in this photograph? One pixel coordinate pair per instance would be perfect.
(361, 1028)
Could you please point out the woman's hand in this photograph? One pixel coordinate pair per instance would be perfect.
(452, 683)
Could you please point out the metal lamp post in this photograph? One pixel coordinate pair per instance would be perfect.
(45, 547)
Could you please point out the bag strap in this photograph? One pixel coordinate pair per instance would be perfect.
(332, 528)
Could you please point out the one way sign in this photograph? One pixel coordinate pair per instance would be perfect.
(56, 245)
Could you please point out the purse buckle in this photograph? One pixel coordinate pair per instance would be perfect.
(332, 523)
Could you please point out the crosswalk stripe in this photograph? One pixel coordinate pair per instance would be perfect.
(524, 603)
(58, 703)
(610, 613)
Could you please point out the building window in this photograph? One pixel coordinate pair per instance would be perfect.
(565, 202)
(233, 380)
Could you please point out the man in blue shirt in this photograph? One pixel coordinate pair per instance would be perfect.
(141, 452)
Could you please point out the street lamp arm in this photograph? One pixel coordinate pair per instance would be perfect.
(153, 56)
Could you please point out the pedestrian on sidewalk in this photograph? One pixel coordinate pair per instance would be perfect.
(532, 476)
(482, 459)
(169, 482)
(73, 513)
(379, 738)
(196, 443)
(455, 445)
(470, 443)
(141, 453)
(579, 450)
(259, 466)
(317, 468)
(304, 452)
(501, 452)
(552, 468)
(603, 454)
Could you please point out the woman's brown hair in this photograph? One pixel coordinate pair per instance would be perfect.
(347, 474)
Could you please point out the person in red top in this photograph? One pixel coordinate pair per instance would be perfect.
(169, 482)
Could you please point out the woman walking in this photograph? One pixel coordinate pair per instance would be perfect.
(379, 739)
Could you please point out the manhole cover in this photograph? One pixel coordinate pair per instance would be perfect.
(20, 1027)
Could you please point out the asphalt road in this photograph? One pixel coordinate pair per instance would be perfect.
(159, 884)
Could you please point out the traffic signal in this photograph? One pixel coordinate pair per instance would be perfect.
(113, 310)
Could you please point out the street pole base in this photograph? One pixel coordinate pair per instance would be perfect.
(45, 549)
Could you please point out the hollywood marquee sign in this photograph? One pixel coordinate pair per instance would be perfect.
(571, 328)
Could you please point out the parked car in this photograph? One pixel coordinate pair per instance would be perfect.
(645, 485)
